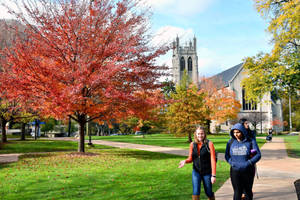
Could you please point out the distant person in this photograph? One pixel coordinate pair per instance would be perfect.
(270, 135)
(202, 154)
(251, 133)
(242, 153)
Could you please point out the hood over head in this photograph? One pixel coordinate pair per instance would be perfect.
(241, 128)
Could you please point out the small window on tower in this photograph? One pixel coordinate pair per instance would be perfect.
(190, 64)
(182, 64)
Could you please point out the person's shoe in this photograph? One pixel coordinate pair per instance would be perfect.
(196, 197)
(212, 198)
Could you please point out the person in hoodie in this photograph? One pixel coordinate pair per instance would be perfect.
(239, 154)
(252, 135)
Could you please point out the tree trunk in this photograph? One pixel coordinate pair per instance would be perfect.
(36, 130)
(98, 129)
(23, 131)
(81, 135)
(208, 126)
(190, 137)
(69, 127)
(3, 126)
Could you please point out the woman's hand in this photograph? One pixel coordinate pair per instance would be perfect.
(181, 164)
(213, 180)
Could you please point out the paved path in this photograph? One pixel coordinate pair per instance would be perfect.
(8, 158)
(276, 171)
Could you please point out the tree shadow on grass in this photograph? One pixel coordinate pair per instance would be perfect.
(146, 155)
(4, 165)
(38, 155)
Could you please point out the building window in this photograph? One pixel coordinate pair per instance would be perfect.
(190, 64)
(182, 64)
(248, 105)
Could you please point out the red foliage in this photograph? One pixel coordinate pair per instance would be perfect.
(277, 122)
(86, 60)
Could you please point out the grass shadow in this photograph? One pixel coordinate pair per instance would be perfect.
(146, 155)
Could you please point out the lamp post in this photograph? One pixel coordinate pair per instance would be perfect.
(69, 128)
(261, 120)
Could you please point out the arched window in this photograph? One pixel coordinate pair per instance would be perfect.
(248, 105)
(182, 64)
(190, 64)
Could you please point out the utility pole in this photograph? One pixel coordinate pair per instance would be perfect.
(69, 127)
(290, 112)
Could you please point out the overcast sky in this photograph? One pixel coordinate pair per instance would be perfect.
(226, 30)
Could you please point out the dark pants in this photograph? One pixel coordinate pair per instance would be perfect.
(253, 173)
(242, 181)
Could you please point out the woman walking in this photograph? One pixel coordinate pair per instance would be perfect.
(202, 154)
(241, 153)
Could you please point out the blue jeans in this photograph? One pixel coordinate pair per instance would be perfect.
(196, 177)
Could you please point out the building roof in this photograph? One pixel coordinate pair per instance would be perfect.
(227, 75)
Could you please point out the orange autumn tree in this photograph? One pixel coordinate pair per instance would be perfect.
(186, 109)
(220, 101)
(83, 59)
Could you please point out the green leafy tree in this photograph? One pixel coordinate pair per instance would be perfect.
(281, 67)
(9, 111)
(168, 88)
(49, 125)
(25, 118)
(187, 109)
(131, 122)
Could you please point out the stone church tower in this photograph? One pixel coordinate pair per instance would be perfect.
(185, 57)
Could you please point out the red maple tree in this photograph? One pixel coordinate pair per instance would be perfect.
(83, 59)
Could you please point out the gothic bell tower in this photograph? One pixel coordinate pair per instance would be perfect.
(185, 57)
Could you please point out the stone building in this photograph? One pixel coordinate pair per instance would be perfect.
(269, 110)
(185, 57)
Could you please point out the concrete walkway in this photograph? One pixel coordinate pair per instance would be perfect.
(276, 171)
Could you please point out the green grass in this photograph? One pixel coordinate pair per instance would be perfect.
(16, 136)
(293, 146)
(167, 140)
(107, 174)
(27, 146)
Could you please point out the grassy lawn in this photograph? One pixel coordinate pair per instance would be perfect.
(167, 140)
(293, 146)
(17, 136)
(17, 146)
(106, 174)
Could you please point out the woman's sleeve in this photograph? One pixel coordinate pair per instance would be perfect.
(227, 153)
(190, 158)
(257, 156)
(212, 158)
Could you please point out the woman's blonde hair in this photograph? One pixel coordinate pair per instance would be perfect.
(195, 136)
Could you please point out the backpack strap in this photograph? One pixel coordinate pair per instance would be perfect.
(206, 145)
(230, 142)
(195, 147)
